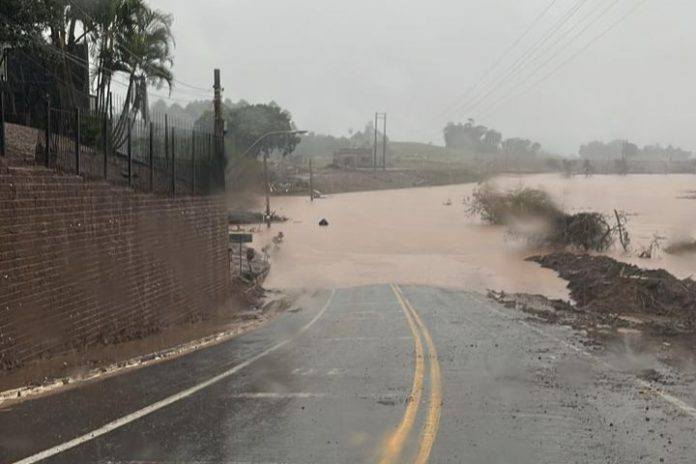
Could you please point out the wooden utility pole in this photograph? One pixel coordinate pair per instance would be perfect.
(2, 119)
(384, 144)
(267, 181)
(374, 148)
(219, 130)
(311, 181)
(507, 153)
(383, 117)
(217, 106)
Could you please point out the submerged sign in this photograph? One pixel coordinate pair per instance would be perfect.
(236, 237)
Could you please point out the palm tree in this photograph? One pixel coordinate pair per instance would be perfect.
(109, 17)
(137, 41)
(148, 47)
(144, 45)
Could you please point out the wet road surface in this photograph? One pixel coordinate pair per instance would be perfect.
(369, 374)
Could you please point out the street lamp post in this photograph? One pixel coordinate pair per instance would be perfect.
(265, 165)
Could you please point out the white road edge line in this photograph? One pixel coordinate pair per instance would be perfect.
(117, 423)
(667, 397)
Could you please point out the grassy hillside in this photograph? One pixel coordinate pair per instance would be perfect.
(409, 152)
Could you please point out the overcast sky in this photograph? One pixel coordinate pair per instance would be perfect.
(333, 63)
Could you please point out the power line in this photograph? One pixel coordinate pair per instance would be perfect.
(484, 76)
(185, 84)
(606, 31)
(115, 81)
(555, 50)
(177, 100)
(81, 62)
(564, 45)
(193, 86)
(525, 57)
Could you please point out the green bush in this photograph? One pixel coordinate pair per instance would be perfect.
(583, 231)
(496, 207)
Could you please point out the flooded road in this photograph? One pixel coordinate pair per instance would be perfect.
(412, 236)
(389, 374)
(392, 373)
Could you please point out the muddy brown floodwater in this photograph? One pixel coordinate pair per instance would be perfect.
(413, 236)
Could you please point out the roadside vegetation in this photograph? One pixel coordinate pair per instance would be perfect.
(532, 214)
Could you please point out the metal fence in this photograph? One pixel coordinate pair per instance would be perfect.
(3, 142)
(153, 155)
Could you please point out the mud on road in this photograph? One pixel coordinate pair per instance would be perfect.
(613, 300)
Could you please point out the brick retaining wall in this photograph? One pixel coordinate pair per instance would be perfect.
(85, 263)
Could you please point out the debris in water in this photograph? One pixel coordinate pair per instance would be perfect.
(278, 239)
(323, 223)
(531, 213)
(682, 247)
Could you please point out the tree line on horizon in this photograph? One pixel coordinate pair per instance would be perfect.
(478, 138)
(622, 149)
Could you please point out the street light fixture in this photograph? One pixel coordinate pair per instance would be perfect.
(271, 134)
(265, 164)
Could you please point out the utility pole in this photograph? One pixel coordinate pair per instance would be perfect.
(384, 144)
(311, 181)
(383, 117)
(374, 147)
(507, 153)
(265, 164)
(219, 130)
(268, 189)
(217, 106)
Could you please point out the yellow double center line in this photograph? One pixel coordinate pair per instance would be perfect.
(394, 445)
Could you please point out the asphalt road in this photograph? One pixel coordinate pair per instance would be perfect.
(370, 374)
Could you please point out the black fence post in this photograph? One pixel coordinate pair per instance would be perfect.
(105, 136)
(60, 139)
(193, 162)
(223, 163)
(110, 105)
(208, 174)
(47, 148)
(166, 137)
(78, 140)
(2, 123)
(130, 156)
(173, 165)
(152, 159)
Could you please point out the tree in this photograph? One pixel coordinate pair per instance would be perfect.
(142, 49)
(473, 137)
(129, 37)
(22, 21)
(247, 123)
(522, 147)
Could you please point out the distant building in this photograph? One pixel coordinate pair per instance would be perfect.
(352, 158)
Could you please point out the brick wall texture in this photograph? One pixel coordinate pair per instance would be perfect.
(85, 263)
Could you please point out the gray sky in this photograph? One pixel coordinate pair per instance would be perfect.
(333, 63)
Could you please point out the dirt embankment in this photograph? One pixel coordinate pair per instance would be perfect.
(603, 285)
(612, 298)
